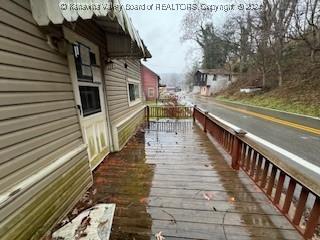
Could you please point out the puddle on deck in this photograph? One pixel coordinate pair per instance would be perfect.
(171, 178)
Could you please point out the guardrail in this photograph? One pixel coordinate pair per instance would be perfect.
(267, 171)
(178, 112)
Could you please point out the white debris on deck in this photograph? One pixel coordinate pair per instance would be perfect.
(93, 223)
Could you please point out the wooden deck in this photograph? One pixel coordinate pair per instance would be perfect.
(174, 180)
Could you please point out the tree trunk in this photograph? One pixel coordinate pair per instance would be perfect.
(263, 77)
(280, 78)
(312, 55)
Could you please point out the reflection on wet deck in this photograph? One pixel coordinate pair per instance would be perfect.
(178, 183)
(170, 126)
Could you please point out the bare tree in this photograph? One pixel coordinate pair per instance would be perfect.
(237, 31)
(194, 21)
(280, 13)
(306, 25)
(262, 25)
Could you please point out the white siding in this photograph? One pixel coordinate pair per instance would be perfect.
(116, 88)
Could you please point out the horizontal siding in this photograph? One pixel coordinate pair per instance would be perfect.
(26, 146)
(8, 98)
(24, 49)
(14, 72)
(116, 88)
(10, 173)
(31, 62)
(38, 125)
(14, 111)
(126, 131)
(48, 203)
(10, 85)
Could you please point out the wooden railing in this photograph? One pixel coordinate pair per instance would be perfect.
(279, 181)
(178, 112)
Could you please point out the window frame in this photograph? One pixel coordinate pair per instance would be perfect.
(153, 92)
(137, 100)
(78, 61)
(92, 112)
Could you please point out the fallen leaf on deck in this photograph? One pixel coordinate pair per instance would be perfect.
(159, 236)
(207, 196)
(65, 221)
(75, 211)
(94, 192)
(80, 231)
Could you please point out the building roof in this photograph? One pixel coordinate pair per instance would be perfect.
(144, 66)
(102, 11)
(217, 71)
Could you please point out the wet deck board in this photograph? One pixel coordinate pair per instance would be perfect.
(159, 182)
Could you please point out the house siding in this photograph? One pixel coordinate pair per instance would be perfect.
(116, 81)
(220, 83)
(38, 126)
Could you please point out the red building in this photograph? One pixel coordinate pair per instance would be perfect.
(150, 82)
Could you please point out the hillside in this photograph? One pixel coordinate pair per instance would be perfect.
(300, 92)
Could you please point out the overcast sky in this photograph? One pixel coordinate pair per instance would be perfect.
(161, 32)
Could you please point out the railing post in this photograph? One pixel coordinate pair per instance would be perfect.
(205, 122)
(236, 153)
(313, 219)
(148, 115)
(193, 113)
(236, 150)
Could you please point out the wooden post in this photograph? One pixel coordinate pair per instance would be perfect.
(193, 114)
(236, 149)
(289, 196)
(205, 122)
(236, 153)
(300, 206)
(313, 219)
(148, 116)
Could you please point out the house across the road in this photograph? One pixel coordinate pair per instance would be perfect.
(210, 81)
(150, 82)
(70, 94)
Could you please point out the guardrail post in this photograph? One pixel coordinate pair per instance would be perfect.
(193, 113)
(205, 122)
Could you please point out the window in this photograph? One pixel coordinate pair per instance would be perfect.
(84, 59)
(90, 100)
(150, 92)
(134, 91)
(214, 77)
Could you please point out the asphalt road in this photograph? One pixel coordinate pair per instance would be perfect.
(300, 141)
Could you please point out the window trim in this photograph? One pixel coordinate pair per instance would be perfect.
(138, 100)
(98, 110)
(153, 92)
(83, 78)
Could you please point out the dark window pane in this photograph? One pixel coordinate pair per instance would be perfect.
(90, 100)
(132, 92)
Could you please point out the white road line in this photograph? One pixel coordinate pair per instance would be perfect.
(270, 145)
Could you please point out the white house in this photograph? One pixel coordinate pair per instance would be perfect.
(211, 81)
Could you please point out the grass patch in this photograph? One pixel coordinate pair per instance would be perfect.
(275, 103)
